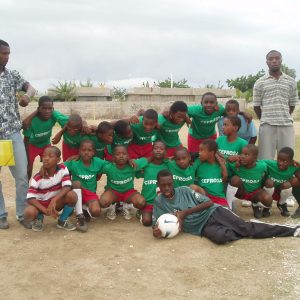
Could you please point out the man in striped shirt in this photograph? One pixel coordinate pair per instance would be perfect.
(274, 99)
(49, 192)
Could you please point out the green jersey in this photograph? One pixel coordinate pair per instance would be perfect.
(40, 131)
(230, 148)
(277, 175)
(122, 180)
(72, 141)
(209, 177)
(168, 132)
(181, 177)
(99, 146)
(87, 175)
(150, 180)
(120, 141)
(140, 136)
(203, 125)
(253, 178)
(184, 198)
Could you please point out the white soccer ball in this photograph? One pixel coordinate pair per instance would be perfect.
(168, 225)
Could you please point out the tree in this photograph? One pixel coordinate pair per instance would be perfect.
(65, 91)
(119, 93)
(291, 72)
(176, 84)
(88, 83)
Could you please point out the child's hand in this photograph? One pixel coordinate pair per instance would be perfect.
(180, 216)
(224, 174)
(51, 209)
(43, 172)
(296, 164)
(188, 121)
(134, 120)
(132, 163)
(87, 129)
(156, 231)
(247, 116)
(56, 139)
(233, 158)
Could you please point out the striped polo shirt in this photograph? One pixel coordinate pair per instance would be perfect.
(275, 96)
(44, 189)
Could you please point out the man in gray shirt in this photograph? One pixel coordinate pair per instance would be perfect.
(10, 125)
(274, 98)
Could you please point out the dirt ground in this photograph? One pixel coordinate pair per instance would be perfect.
(121, 260)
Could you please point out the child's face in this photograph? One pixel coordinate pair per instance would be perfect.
(159, 150)
(247, 157)
(107, 137)
(182, 159)
(283, 161)
(149, 124)
(166, 187)
(228, 127)
(86, 151)
(204, 152)
(231, 110)
(120, 156)
(209, 104)
(50, 158)
(73, 127)
(45, 110)
(178, 117)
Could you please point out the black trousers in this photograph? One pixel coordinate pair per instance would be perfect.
(224, 226)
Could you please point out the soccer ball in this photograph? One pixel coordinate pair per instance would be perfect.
(168, 225)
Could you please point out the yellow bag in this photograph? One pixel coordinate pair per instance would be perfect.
(6, 153)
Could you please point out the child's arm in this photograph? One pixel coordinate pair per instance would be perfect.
(222, 163)
(27, 121)
(57, 137)
(37, 205)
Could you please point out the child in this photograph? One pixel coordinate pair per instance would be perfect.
(229, 144)
(120, 183)
(204, 119)
(210, 172)
(247, 130)
(182, 170)
(49, 192)
(149, 173)
(170, 126)
(122, 136)
(284, 176)
(199, 216)
(143, 134)
(248, 181)
(37, 136)
(84, 181)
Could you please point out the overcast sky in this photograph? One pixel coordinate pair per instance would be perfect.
(124, 43)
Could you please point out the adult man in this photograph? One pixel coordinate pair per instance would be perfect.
(274, 99)
(199, 216)
(10, 125)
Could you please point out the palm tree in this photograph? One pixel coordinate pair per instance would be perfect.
(65, 91)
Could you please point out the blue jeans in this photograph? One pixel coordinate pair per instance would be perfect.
(19, 172)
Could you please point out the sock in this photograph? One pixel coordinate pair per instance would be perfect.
(66, 212)
(284, 194)
(296, 194)
(78, 206)
(270, 191)
(40, 216)
(230, 194)
(128, 205)
(259, 204)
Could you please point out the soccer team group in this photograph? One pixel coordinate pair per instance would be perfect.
(215, 169)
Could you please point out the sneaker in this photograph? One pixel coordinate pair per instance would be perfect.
(126, 213)
(111, 212)
(296, 214)
(37, 225)
(246, 203)
(26, 224)
(297, 232)
(81, 224)
(3, 223)
(257, 212)
(66, 225)
(86, 215)
(283, 210)
(266, 212)
(290, 201)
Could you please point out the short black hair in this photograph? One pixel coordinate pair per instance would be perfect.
(235, 121)
(55, 150)
(164, 173)
(210, 144)
(208, 94)
(3, 43)
(178, 149)
(233, 102)
(104, 127)
(288, 151)
(253, 149)
(178, 106)
(121, 126)
(151, 114)
(273, 51)
(44, 99)
(75, 118)
(87, 141)
(119, 146)
(159, 141)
